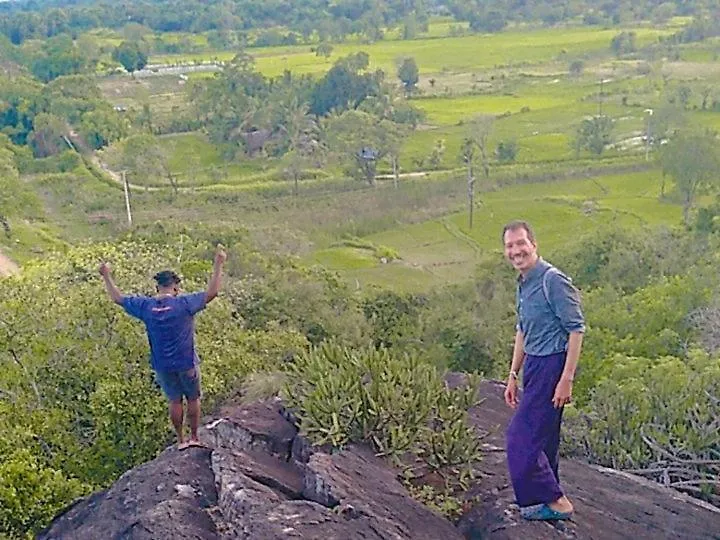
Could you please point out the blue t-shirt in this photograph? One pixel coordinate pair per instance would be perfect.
(170, 325)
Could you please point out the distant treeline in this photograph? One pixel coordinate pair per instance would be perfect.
(37, 19)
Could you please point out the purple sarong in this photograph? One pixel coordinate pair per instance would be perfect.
(533, 436)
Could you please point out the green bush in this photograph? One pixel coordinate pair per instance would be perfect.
(396, 402)
(659, 415)
(31, 493)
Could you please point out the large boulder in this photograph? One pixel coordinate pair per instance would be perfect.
(262, 481)
(608, 504)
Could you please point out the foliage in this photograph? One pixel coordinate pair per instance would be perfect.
(398, 403)
(507, 151)
(623, 43)
(576, 68)
(409, 74)
(130, 55)
(32, 492)
(345, 85)
(656, 417)
(47, 136)
(594, 134)
(58, 56)
(79, 405)
(358, 140)
(692, 160)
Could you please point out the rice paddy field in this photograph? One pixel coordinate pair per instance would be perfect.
(446, 250)
(519, 78)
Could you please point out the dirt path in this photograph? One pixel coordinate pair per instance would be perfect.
(7, 266)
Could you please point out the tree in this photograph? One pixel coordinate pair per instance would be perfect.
(142, 155)
(392, 138)
(16, 199)
(507, 151)
(623, 43)
(130, 55)
(468, 155)
(594, 134)
(304, 149)
(475, 149)
(410, 26)
(576, 68)
(480, 128)
(229, 104)
(356, 139)
(48, 135)
(409, 74)
(58, 56)
(102, 127)
(663, 122)
(345, 85)
(324, 49)
(692, 159)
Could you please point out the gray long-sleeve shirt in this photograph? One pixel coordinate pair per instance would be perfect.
(547, 323)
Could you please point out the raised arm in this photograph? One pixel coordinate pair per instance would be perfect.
(115, 294)
(215, 280)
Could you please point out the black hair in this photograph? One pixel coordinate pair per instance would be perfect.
(167, 278)
(516, 226)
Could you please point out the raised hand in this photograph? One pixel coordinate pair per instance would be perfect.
(220, 255)
(105, 269)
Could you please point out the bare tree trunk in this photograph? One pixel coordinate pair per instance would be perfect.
(296, 178)
(662, 187)
(396, 171)
(173, 183)
(471, 194)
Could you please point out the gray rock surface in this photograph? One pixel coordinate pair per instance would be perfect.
(261, 481)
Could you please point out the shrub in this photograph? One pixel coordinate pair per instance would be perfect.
(396, 402)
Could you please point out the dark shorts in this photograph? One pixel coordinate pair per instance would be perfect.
(176, 384)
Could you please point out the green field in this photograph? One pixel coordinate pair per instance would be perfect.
(446, 250)
(452, 54)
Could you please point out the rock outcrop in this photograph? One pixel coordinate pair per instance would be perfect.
(262, 481)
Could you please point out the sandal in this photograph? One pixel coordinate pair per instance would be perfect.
(544, 513)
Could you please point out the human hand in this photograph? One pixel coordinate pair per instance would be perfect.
(563, 392)
(105, 269)
(220, 255)
(511, 393)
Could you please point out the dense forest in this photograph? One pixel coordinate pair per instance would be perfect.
(35, 19)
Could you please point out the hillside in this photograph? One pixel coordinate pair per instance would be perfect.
(7, 266)
(262, 481)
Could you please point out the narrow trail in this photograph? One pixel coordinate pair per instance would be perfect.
(7, 266)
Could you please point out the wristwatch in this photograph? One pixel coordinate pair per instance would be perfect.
(514, 374)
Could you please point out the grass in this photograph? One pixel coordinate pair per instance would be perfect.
(446, 250)
(452, 54)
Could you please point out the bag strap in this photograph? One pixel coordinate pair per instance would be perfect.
(550, 270)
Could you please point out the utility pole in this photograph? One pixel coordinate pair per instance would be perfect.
(647, 135)
(126, 186)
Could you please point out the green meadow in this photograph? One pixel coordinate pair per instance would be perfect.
(521, 80)
(446, 250)
(433, 55)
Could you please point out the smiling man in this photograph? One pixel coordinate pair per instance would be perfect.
(548, 339)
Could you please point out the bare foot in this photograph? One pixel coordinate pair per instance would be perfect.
(183, 445)
(196, 442)
(562, 505)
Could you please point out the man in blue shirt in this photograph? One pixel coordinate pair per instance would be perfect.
(169, 321)
(549, 333)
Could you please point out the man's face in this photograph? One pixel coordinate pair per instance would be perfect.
(519, 250)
